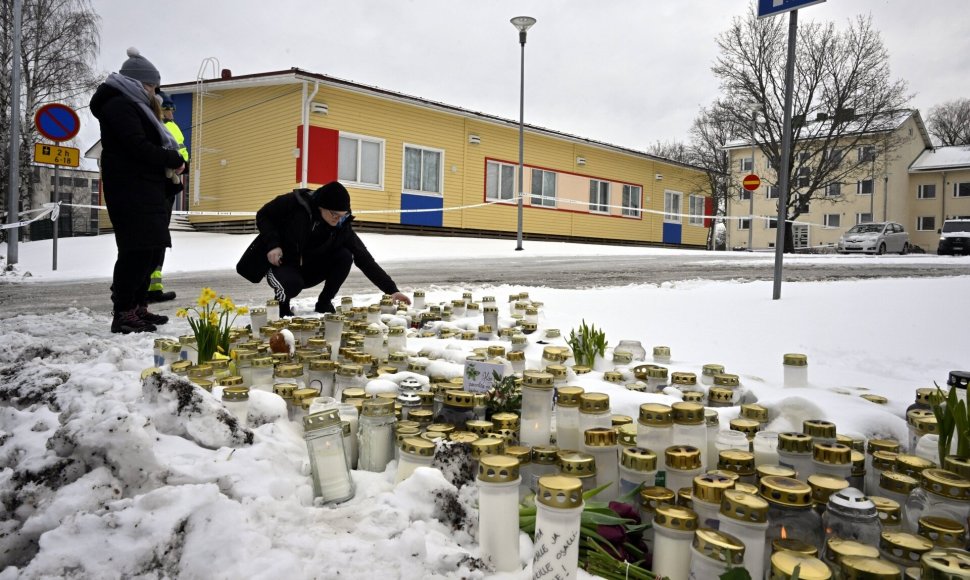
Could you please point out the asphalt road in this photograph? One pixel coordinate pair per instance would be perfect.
(518, 270)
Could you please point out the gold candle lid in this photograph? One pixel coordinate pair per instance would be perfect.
(824, 485)
(627, 435)
(727, 380)
(675, 518)
(838, 548)
(687, 413)
(888, 510)
(421, 416)
(600, 437)
(858, 463)
(785, 491)
(743, 507)
(711, 418)
(710, 487)
(720, 395)
(288, 371)
(498, 469)
(654, 496)
(506, 421)
(353, 393)
(611, 377)
(904, 546)
(746, 426)
(418, 446)
(945, 564)
(784, 562)
(912, 465)
(819, 429)
(522, 453)
(568, 396)
(235, 394)
(794, 546)
(443, 428)
(262, 361)
(869, 568)
(754, 412)
(349, 370)
(487, 446)
(323, 365)
(897, 482)
(536, 379)
(321, 420)
(377, 408)
(656, 415)
(638, 459)
(200, 371)
(622, 357)
(300, 394)
(656, 372)
(685, 498)
(661, 351)
(958, 465)
(769, 470)
(577, 464)
(914, 415)
(560, 491)
(925, 425)
(877, 399)
(459, 399)
(479, 426)
(695, 397)
(736, 461)
(683, 378)
(545, 455)
(946, 483)
(747, 488)
(832, 453)
(558, 372)
(884, 460)
(683, 457)
(794, 442)
(463, 436)
(719, 546)
(621, 420)
(581, 369)
(231, 381)
(709, 370)
(594, 403)
(943, 532)
(795, 360)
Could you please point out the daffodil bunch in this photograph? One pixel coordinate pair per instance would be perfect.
(211, 322)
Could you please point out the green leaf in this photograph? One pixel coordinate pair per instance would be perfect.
(735, 574)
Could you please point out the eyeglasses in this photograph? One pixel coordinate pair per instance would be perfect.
(337, 214)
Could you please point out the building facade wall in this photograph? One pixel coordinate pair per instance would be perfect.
(74, 186)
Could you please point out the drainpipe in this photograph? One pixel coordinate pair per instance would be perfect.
(305, 160)
(943, 200)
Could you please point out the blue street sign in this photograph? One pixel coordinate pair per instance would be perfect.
(57, 122)
(773, 7)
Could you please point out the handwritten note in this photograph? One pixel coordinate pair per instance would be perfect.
(555, 553)
(479, 375)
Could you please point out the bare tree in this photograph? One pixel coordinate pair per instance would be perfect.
(844, 98)
(950, 122)
(59, 44)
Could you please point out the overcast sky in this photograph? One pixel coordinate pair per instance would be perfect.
(628, 72)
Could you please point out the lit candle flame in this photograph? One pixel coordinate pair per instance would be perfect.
(784, 533)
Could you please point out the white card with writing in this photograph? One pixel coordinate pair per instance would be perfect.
(480, 376)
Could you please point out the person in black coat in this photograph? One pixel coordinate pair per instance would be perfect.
(305, 238)
(137, 151)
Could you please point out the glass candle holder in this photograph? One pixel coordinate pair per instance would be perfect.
(832, 459)
(823, 487)
(708, 371)
(674, 529)
(579, 465)
(414, 452)
(713, 552)
(738, 462)
(706, 494)
(559, 505)
(821, 431)
(236, 401)
(536, 417)
(328, 465)
(682, 463)
(902, 548)
(333, 328)
(765, 447)
(890, 513)
(943, 532)
(941, 493)
(602, 445)
(567, 417)
(958, 381)
(290, 373)
(784, 563)
(745, 516)
(657, 379)
(522, 454)
(349, 414)
(655, 425)
(796, 370)
(852, 516)
(457, 409)
(689, 429)
(795, 451)
(638, 467)
(594, 411)
(790, 512)
(376, 435)
(374, 342)
(498, 512)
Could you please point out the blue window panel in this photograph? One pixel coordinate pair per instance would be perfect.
(421, 218)
(672, 233)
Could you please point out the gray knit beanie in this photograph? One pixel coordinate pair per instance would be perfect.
(139, 68)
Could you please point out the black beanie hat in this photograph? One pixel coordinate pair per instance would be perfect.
(332, 196)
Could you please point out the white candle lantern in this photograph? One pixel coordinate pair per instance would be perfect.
(559, 505)
(821, 431)
(333, 328)
(689, 428)
(673, 532)
(418, 302)
(594, 411)
(745, 516)
(498, 511)
(713, 552)
(376, 435)
(765, 447)
(414, 452)
(373, 342)
(236, 401)
(328, 465)
(708, 371)
(601, 444)
(536, 417)
(796, 370)
(257, 318)
(832, 459)
(655, 428)
(638, 467)
(795, 452)
(683, 463)
(397, 339)
(706, 493)
(738, 462)
(491, 316)
(272, 311)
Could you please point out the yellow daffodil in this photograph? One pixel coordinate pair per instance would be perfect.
(211, 320)
(182, 312)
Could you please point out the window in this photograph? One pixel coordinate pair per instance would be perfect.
(926, 191)
(499, 181)
(961, 189)
(422, 170)
(747, 164)
(65, 181)
(771, 223)
(360, 160)
(803, 175)
(833, 157)
(863, 218)
(80, 182)
(867, 153)
(833, 190)
(772, 192)
(599, 196)
(744, 224)
(631, 200)
(832, 220)
(926, 223)
(95, 185)
(543, 188)
(744, 194)
(672, 206)
(804, 156)
(695, 210)
(864, 187)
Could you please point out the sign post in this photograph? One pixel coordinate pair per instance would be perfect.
(58, 123)
(750, 183)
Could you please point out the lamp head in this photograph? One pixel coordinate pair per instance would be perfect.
(523, 23)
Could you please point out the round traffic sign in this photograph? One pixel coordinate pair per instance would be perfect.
(57, 122)
(751, 182)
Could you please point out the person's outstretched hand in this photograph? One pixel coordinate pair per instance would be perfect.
(275, 255)
(401, 297)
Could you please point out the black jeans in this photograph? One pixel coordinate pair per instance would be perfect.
(332, 268)
(132, 273)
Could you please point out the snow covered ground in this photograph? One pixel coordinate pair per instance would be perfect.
(104, 475)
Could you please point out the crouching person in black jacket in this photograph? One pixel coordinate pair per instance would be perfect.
(305, 238)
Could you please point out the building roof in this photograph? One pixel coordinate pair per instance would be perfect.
(296, 75)
(942, 158)
(882, 124)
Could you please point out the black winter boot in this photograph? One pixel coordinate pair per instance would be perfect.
(324, 307)
(285, 310)
(156, 319)
(128, 321)
(159, 296)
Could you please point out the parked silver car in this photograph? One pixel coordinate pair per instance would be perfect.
(874, 238)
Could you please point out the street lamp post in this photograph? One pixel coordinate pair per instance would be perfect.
(522, 24)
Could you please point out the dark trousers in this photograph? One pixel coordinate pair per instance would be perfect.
(332, 268)
(133, 270)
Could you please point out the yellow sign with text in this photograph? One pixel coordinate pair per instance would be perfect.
(56, 155)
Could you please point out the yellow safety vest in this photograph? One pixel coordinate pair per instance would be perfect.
(179, 138)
